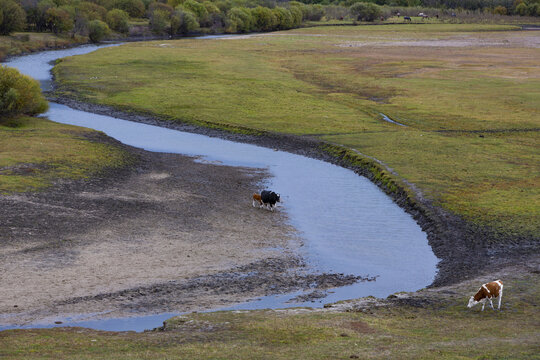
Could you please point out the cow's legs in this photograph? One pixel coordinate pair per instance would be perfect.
(491, 304)
(483, 304)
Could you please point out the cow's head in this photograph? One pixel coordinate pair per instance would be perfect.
(472, 302)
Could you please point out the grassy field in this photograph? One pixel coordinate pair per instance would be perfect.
(440, 326)
(35, 152)
(468, 94)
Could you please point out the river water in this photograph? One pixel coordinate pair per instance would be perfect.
(348, 225)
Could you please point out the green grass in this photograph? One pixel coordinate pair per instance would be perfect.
(35, 152)
(333, 83)
(443, 329)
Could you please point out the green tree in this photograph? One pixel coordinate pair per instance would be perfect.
(314, 12)
(196, 8)
(159, 21)
(92, 11)
(263, 19)
(365, 11)
(500, 10)
(284, 19)
(160, 6)
(135, 8)
(183, 22)
(19, 94)
(39, 14)
(211, 8)
(239, 20)
(522, 9)
(97, 30)
(118, 20)
(297, 15)
(534, 9)
(13, 17)
(58, 20)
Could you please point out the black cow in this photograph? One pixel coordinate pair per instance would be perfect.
(407, 18)
(269, 199)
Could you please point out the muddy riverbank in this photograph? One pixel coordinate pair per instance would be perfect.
(168, 234)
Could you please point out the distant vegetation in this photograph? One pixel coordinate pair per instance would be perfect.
(177, 17)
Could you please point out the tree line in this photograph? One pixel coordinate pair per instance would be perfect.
(500, 7)
(97, 18)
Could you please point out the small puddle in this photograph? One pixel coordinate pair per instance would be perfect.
(387, 119)
(138, 324)
(348, 224)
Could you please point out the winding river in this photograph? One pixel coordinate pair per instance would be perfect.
(348, 224)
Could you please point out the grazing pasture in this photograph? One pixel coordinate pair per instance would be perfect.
(469, 96)
(432, 324)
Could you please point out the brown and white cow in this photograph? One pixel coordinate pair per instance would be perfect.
(257, 200)
(487, 292)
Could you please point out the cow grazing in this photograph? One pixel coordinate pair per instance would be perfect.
(269, 199)
(487, 292)
(408, 18)
(257, 200)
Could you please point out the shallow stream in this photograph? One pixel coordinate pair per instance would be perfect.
(348, 225)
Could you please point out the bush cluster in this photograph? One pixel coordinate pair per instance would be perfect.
(19, 94)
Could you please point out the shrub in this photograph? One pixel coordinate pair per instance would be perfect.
(13, 17)
(97, 30)
(19, 94)
(118, 20)
(365, 11)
